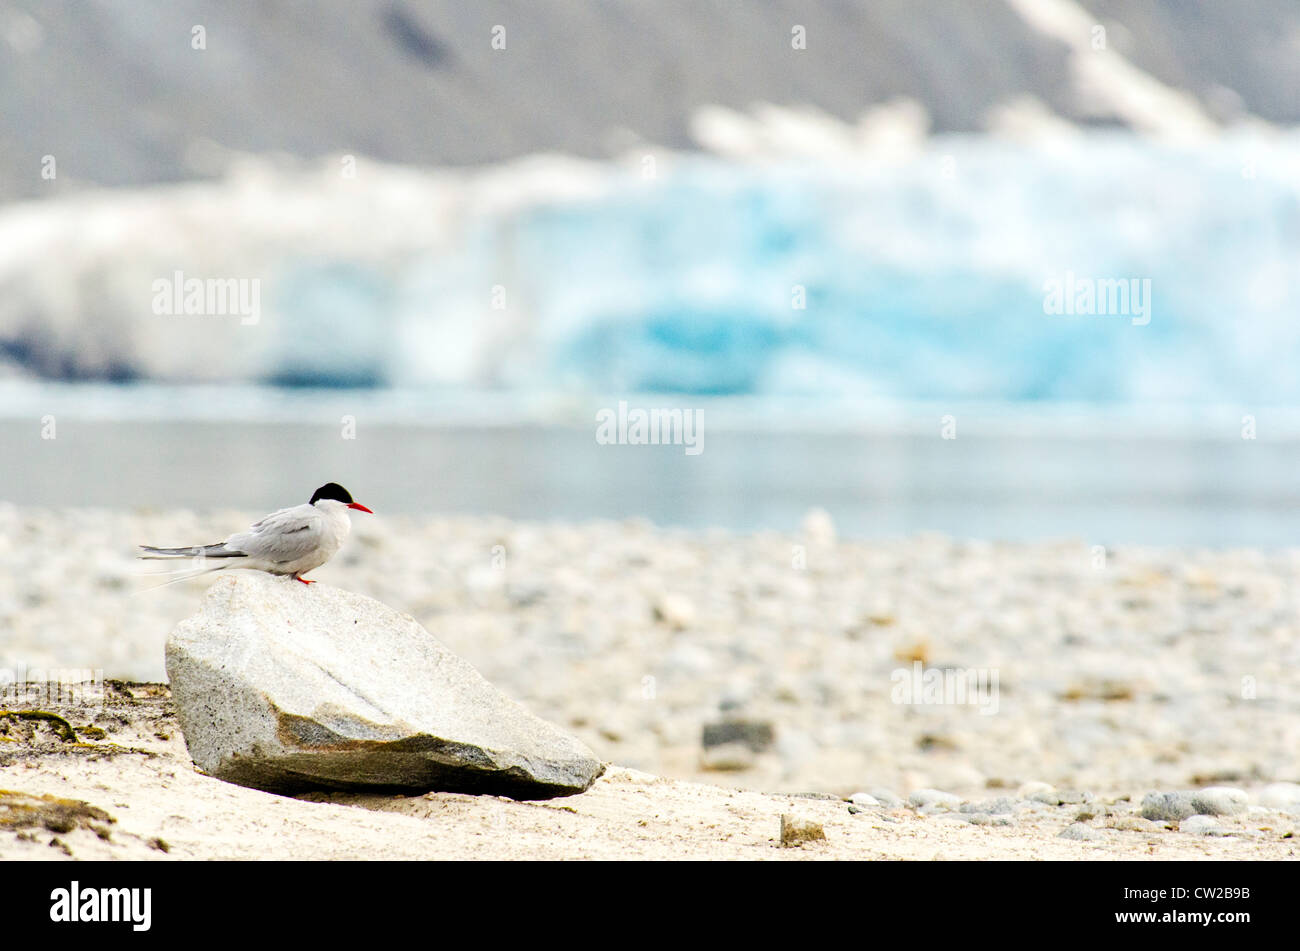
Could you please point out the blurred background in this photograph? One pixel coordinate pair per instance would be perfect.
(454, 233)
(975, 306)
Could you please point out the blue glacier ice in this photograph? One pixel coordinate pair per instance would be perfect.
(916, 286)
(920, 279)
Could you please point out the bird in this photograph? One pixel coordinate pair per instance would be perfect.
(290, 541)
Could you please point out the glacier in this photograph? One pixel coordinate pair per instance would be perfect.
(920, 277)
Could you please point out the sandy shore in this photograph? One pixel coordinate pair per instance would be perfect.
(1117, 674)
(133, 794)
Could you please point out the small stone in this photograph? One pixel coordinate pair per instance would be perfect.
(1201, 825)
(1167, 807)
(758, 735)
(520, 595)
(675, 610)
(1133, 824)
(795, 831)
(885, 797)
(1038, 792)
(1002, 806)
(1284, 796)
(934, 799)
(1081, 833)
(862, 800)
(985, 819)
(1220, 801)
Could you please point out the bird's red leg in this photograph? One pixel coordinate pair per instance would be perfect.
(303, 580)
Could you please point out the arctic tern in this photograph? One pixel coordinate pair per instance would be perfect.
(291, 541)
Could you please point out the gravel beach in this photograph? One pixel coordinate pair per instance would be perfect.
(782, 664)
(130, 792)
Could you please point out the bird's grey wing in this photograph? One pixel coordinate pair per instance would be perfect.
(282, 536)
(218, 550)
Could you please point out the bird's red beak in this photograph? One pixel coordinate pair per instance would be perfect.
(359, 507)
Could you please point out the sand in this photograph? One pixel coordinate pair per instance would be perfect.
(162, 808)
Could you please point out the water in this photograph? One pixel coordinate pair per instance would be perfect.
(1103, 477)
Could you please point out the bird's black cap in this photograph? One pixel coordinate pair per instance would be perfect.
(332, 490)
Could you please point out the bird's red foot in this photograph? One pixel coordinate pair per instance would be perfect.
(303, 580)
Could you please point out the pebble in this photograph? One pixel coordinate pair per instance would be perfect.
(1220, 801)
(1034, 789)
(1201, 825)
(1002, 806)
(1081, 833)
(1167, 807)
(1060, 797)
(985, 819)
(885, 797)
(863, 800)
(758, 735)
(675, 610)
(1284, 796)
(933, 799)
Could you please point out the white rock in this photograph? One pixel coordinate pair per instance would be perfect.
(1285, 796)
(675, 610)
(1033, 789)
(1220, 801)
(864, 799)
(885, 797)
(1081, 833)
(286, 687)
(1201, 825)
(933, 798)
(1167, 806)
